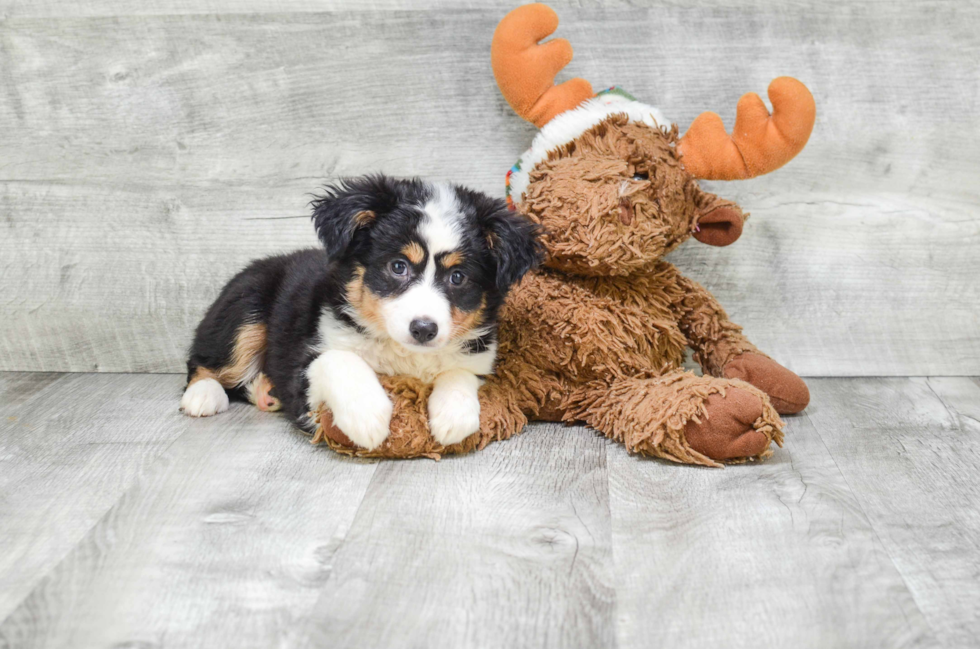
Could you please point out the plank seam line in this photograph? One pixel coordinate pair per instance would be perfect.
(874, 531)
(954, 416)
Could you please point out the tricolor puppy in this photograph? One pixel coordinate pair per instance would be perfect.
(409, 281)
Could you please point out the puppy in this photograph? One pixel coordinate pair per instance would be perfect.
(409, 281)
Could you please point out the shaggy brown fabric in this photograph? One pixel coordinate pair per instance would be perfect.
(658, 415)
(599, 334)
(577, 195)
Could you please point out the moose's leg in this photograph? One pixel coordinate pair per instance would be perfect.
(682, 417)
(722, 350)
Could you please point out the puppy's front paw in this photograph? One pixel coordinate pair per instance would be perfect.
(204, 398)
(454, 415)
(365, 419)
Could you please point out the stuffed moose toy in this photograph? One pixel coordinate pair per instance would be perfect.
(598, 334)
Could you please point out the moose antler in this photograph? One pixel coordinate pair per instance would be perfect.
(759, 143)
(525, 71)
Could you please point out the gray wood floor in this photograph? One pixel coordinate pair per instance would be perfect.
(125, 524)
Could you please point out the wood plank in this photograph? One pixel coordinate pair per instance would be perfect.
(151, 107)
(140, 149)
(253, 100)
(115, 293)
(17, 388)
(66, 456)
(508, 547)
(106, 8)
(224, 541)
(74, 310)
(777, 554)
(910, 449)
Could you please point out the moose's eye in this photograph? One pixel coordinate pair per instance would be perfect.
(398, 268)
(639, 175)
(457, 278)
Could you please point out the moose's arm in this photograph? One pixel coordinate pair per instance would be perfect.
(715, 339)
(722, 350)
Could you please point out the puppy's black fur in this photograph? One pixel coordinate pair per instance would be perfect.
(362, 224)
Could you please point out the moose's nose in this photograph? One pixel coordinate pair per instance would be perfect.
(423, 330)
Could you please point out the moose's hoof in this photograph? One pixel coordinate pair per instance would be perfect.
(727, 431)
(787, 392)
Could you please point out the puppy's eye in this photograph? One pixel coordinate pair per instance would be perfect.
(398, 268)
(457, 278)
(639, 175)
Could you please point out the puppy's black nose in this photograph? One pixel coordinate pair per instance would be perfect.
(423, 329)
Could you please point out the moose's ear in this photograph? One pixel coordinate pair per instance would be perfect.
(721, 226)
(351, 206)
(513, 241)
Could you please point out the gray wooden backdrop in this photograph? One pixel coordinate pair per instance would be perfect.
(150, 149)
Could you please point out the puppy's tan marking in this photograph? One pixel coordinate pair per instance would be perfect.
(246, 359)
(364, 218)
(451, 259)
(200, 374)
(364, 301)
(414, 252)
(466, 321)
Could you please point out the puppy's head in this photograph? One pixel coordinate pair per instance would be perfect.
(426, 264)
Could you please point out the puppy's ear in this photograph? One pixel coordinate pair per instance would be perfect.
(350, 207)
(513, 242)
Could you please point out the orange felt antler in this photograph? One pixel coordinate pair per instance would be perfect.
(525, 71)
(759, 143)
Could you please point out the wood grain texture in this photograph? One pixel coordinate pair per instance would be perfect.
(109, 297)
(752, 555)
(146, 157)
(508, 547)
(224, 541)
(125, 524)
(67, 454)
(17, 388)
(910, 450)
(98, 8)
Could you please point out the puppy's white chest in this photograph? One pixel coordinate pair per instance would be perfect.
(389, 358)
(392, 358)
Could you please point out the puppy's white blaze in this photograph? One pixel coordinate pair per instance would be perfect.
(440, 232)
(349, 387)
(440, 228)
(204, 398)
(422, 301)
